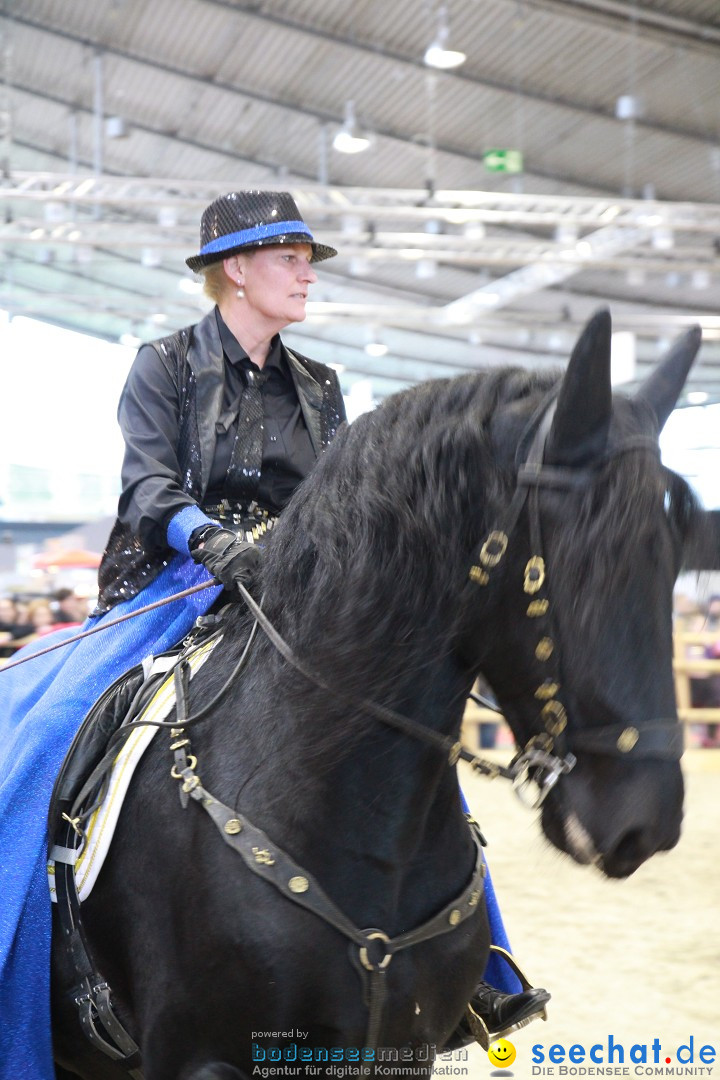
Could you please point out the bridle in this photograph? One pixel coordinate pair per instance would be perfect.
(548, 753)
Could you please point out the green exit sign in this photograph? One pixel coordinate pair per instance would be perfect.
(507, 161)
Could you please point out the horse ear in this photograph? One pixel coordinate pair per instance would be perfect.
(662, 388)
(582, 417)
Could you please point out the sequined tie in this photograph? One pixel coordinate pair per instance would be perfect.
(243, 475)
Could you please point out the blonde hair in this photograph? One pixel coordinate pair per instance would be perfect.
(215, 281)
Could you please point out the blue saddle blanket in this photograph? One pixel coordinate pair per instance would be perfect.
(42, 704)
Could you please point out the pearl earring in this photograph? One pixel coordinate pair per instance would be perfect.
(241, 292)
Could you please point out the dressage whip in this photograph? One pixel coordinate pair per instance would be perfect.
(113, 622)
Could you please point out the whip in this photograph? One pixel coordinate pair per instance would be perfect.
(113, 622)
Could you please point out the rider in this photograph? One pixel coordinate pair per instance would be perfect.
(221, 423)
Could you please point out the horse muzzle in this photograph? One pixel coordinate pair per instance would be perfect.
(615, 815)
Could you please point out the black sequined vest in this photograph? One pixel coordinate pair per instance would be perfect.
(195, 357)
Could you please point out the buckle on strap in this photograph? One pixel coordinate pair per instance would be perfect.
(381, 957)
(537, 766)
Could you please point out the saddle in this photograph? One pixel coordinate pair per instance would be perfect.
(80, 782)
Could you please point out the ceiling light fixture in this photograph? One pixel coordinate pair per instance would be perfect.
(116, 127)
(628, 107)
(437, 54)
(662, 239)
(700, 279)
(425, 268)
(349, 139)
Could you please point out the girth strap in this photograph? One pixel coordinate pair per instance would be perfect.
(91, 995)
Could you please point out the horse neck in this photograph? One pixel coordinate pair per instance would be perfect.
(379, 821)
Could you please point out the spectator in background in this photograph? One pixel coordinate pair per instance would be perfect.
(693, 618)
(11, 627)
(70, 609)
(40, 616)
(21, 607)
(712, 682)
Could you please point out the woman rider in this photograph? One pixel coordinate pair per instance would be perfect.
(221, 422)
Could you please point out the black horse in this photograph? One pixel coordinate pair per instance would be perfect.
(509, 523)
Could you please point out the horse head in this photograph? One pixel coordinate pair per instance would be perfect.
(582, 616)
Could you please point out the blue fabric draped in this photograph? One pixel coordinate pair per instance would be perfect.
(497, 972)
(42, 704)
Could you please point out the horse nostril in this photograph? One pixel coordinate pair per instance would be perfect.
(627, 855)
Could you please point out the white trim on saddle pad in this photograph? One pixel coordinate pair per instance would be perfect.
(101, 825)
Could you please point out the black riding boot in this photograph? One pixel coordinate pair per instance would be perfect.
(490, 1013)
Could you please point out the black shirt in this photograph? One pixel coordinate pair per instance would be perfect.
(287, 455)
(152, 483)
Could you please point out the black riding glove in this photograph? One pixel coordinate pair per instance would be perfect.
(228, 559)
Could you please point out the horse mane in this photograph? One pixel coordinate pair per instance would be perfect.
(352, 577)
(352, 573)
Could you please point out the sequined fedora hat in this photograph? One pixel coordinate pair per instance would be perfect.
(250, 219)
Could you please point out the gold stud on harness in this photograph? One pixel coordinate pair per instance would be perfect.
(546, 691)
(544, 648)
(263, 856)
(534, 574)
(627, 739)
(298, 884)
(494, 548)
(554, 717)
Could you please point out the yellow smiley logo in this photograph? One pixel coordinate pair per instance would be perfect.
(502, 1053)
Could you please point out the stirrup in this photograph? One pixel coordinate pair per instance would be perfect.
(477, 1025)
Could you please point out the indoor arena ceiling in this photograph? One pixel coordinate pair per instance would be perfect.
(572, 161)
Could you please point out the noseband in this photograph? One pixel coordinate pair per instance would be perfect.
(548, 754)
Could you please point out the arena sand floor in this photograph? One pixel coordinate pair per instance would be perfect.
(632, 961)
